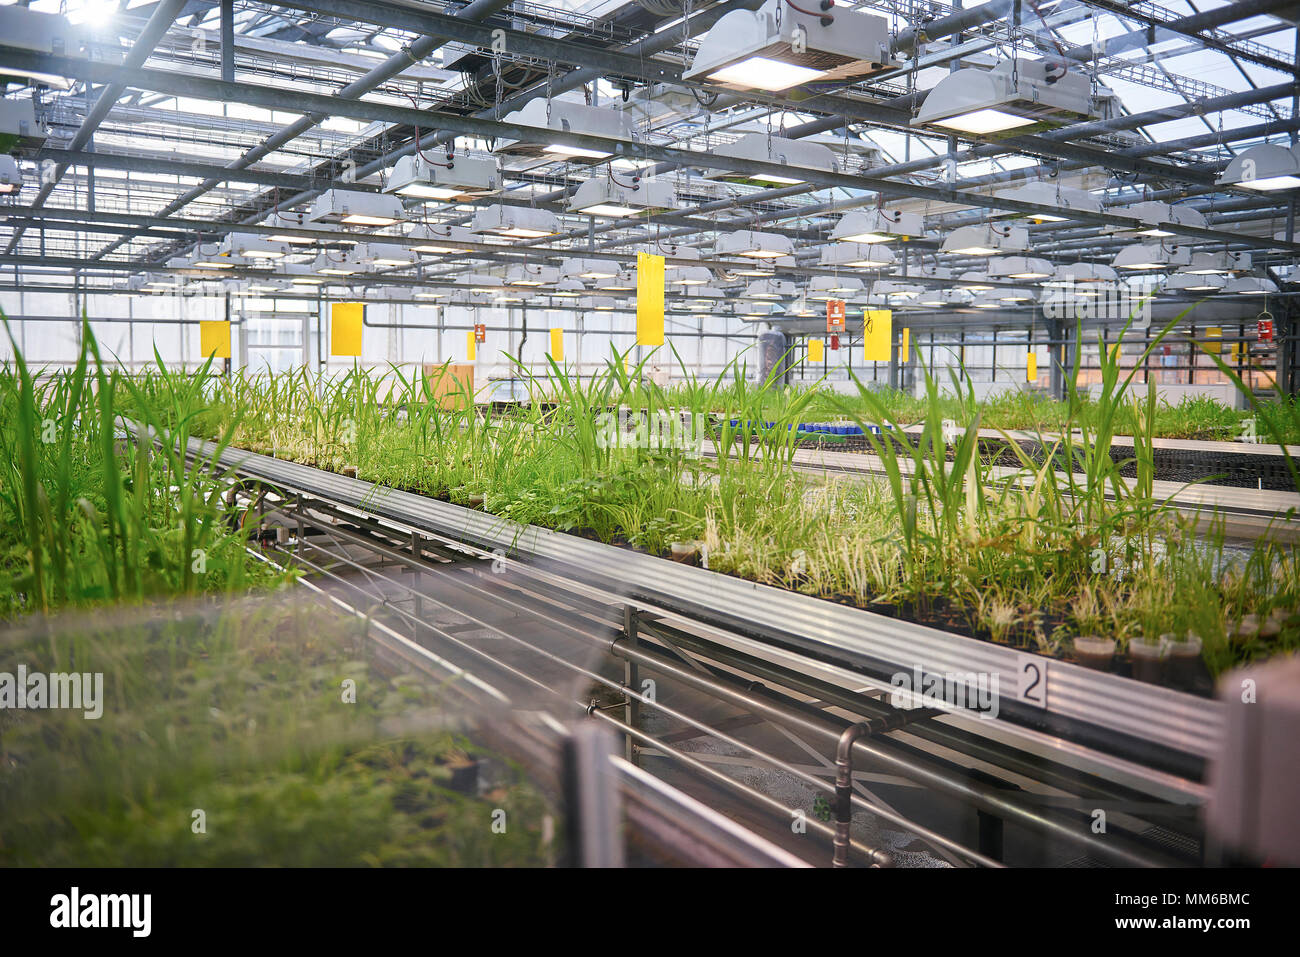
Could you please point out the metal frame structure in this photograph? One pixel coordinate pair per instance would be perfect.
(184, 120)
(406, 564)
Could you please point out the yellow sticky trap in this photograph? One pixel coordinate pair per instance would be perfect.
(557, 345)
(1031, 367)
(345, 328)
(1213, 333)
(214, 338)
(905, 351)
(649, 299)
(815, 350)
(877, 334)
(471, 345)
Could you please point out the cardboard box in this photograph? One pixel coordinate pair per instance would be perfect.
(450, 383)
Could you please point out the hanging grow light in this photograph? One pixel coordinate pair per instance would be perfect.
(1015, 295)
(857, 256)
(480, 282)
(986, 240)
(623, 281)
(1077, 273)
(1152, 218)
(515, 222)
(598, 303)
(353, 208)
(1017, 96)
(1020, 267)
(447, 178)
(754, 245)
(878, 226)
(1142, 256)
(938, 298)
(1250, 286)
(823, 288)
(557, 116)
(795, 154)
(770, 289)
(254, 246)
(442, 239)
(526, 275)
(689, 276)
(326, 265)
(568, 289)
(298, 274)
(779, 46)
(1209, 263)
(1265, 167)
(1183, 281)
(285, 220)
(385, 255)
(603, 196)
(889, 289)
(210, 256)
(588, 269)
(705, 295)
(1048, 194)
(975, 281)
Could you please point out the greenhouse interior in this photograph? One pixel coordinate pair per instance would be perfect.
(673, 433)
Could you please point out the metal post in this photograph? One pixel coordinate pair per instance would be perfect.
(228, 40)
(591, 798)
(632, 681)
(844, 772)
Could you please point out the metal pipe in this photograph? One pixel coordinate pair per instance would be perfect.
(844, 771)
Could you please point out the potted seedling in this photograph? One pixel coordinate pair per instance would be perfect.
(1271, 626)
(1183, 656)
(685, 552)
(1094, 651)
(1148, 657)
(1245, 630)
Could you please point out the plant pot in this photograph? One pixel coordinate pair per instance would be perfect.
(687, 553)
(1184, 657)
(1094, 652)
(1245, 630)
(1148, 659)
(1271, 626)
(350, 471)
(474, 501)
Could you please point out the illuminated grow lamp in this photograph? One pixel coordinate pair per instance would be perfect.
(515, 222)
(602, 196)
(437, 240)
(1015, 96)
(877, 226)
(443, 177)
(1266, 167)
(353, 208)
(986, 240)
(781, 45)
(754, 245)
(795, 155)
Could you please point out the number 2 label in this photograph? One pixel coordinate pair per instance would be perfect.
(1032, 686)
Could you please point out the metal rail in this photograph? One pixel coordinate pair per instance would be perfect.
(1154, 725)
(454, 530)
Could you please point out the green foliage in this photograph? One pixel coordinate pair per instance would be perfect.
(91, 511)
(237, 712)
